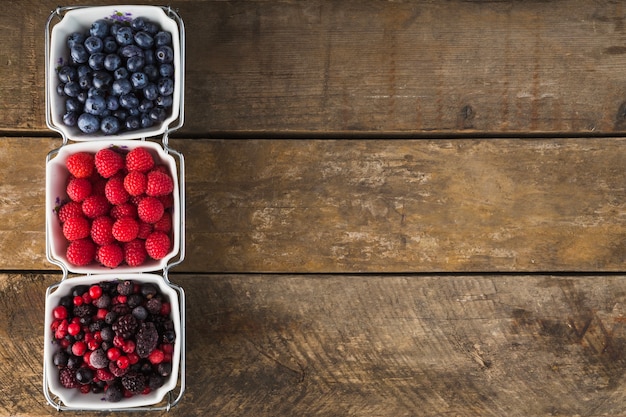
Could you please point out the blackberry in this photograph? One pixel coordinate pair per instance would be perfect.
(104, 301)
(121, 309)
(134, 382)
(134, 300)
(84, 310)
(125, 288)
(96, 326)
(147, 339)
(154, 306)
(67, 378)
(114, 393)
(125, 326)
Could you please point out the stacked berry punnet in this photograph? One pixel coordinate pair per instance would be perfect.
(119, 209)
(120, 77)
(115, 338)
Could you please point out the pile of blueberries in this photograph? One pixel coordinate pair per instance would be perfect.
(120, 77)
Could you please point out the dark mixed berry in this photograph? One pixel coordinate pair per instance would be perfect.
(119, 78)
(110, 347)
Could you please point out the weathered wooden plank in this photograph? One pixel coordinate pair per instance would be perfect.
(342, 67)
(370, 205)
(354, 345)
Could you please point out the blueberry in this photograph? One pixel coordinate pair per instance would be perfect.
(135, 63)
(129, 101)
(144, 40)
(146, 121)
(109, 45)
(140, 313)
(151, 72)
(121, 86)
(88, 123)
(95, 105)
(132, 123)
(110, 125)
(130, 51)
(84, 375)
(79, 54)
(60, 358)
(96, 61)
(151, 27)
(124, 36)
(72, 104)
(140, 80)
(61, 89)
(93, 44)
(165, 86)
(114, 28)
(112, 62)
(145, 105)
(163, 39)
(75, 38)
(99, 28)
(120, 73)
(83, 70)
(71, 89)
(121, 114)
(164, 54)
(82, 97)
(102, 79)
(164, 101)
(85, 82)
(112, 103)
(96, 92)
(148, 56)
(150, 91)
(67, 73)
(158, 114)
(138, 23)
(70, 118)
(166, 70)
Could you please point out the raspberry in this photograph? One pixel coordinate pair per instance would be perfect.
(80, 164)
(157, 245)
(98, 184)
(124, 210)
(76, 228)
(95, 206)
(78, 189)
(135, 252)
(81, 252)
(159, 183)
(125, 229)
(102, 230)
(164, 224)
(115, 191)
(67, 378)
(150, 209)
(110, 255)
(69, 210)
(104, 375)
(108, 162)
(167, 201)
(135, 183)
(144, 230)
(139, 159)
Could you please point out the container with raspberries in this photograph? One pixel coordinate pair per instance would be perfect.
(114, 324)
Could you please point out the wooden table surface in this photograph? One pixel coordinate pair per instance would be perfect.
(393, 208)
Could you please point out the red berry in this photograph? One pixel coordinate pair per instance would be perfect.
(108, 162)
(95, 291)
(61, 330)
(164, 224)
(79, 348)
(69, 210)
(102, 313)
(73, 329)
(124, 210)
(118, 341)
(85, 388)
(104, 375)
(167, 200)
(78, 300)
(110, 255)
(113, 353)
(135, 183)
(167, 348)
(80, 164)
(166, 309)
(156, 356)
(93, 344)
(115, 191)
(122, 362)
(78, 189)
(59, 312)
(102, 230)
(146, 391)
(81, 252)
(139, 159)
(125, 229)
(95, 206)
(135, 252)
(129, 346)
(158, 245)
(76, 228)
(159, 183)
(133, 358)
(150, 210)
(144, 230)
(87, 298)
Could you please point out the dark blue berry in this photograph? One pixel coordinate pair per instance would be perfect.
(102, 79)
(96, 92)
(144, 40)
(151, 27)
(124, 35)
(135, 63)
(165, 86)
(85, 82)
(75, 38)
(166, 70)
(84, 375)
(79, 54)
(152, 72)
(129, 101)
(93, 44)
(112, 103)
(114, 28)
(163, 39)
(150, 91)
(164, 54)
(71, 89)
(146, 120)
(67, 73)
(88, 123)
(110, 125)
(130, 51)
(112, 62)
(96, 61)
(148, 55)
(83, 70)
(140, 313)
(60, 89)
(139, 80)
(95, 105)
(60, 358)
(109, 45)
(138, 23)
(120, 73)
(82, 97)
(164, 101)
(70, 118)
(72, 104)
(158, 114)
(121, 86)
(121, 114)
(99, 28)
(132, 123)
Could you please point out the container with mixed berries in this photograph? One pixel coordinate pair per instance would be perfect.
(114, 324)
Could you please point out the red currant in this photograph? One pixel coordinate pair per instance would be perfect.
(167, 347)
(102, 313)
(166, 309)
(93, 344)
(87, 298)
(95, 291)
(156, 356)
(113, 354)
(123, 362)
(73, 329)
(78, 300)
(79, 348)
(59, 313)
(133, 358)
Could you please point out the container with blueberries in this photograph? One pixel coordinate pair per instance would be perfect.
(114, 324)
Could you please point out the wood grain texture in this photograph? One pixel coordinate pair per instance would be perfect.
(351, 345)
(354, 67)
(369, 205)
